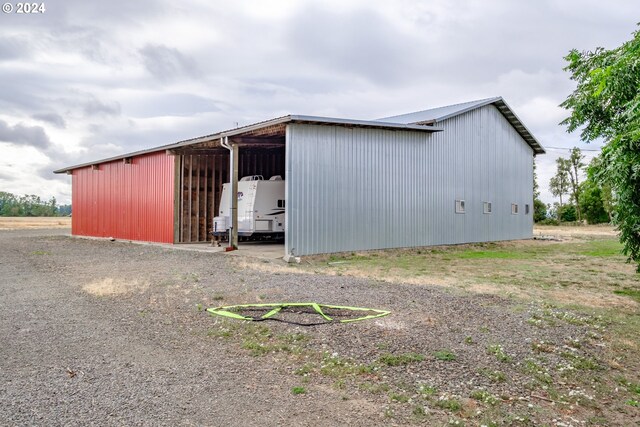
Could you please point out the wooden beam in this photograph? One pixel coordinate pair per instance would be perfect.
(177, 198)
(233, 241)
(194, 151)
(258, 140)
(206, 199)
(198, 199)
(190, 194)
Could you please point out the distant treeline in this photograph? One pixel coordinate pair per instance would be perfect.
(30, 205)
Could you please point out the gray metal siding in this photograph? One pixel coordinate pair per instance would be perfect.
(356, 189)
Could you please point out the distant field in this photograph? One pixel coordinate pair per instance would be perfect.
(19, 223)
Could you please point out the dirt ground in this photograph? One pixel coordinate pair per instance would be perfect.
(96, 332)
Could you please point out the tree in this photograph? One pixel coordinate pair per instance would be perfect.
(559, 184)
(575, 165)
(27, 205)
(539, 210)
(594, 175)
(607, 200)
(7, 203)
(591, 203)
(536, 188)
(606, 104)
(64, 210)
(567, 213)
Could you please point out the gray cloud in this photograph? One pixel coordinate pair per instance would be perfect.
(171, 104)
(166, 63)
(19, 134)
(21, 90)
(121, 138)
(88, 41)
(51, 118)
(362, 42)
(13, 48)
(94, 107)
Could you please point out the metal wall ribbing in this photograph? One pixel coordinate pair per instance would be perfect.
(125, 200)
(357, 189)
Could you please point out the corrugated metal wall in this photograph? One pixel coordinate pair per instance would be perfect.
(356, 189)
(126, 201)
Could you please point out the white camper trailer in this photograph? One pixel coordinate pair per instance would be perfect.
(260, 208)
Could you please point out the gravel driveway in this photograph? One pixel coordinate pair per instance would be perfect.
(102, 333)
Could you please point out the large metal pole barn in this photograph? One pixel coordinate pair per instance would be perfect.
(464, 174)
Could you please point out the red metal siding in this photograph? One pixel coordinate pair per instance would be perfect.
(125, 201)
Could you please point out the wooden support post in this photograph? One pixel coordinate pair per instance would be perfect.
(177, 198)
(233, 241)
(190, 198)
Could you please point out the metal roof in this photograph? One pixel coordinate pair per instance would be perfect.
(423, 121)
(260, 125)
(435, 115)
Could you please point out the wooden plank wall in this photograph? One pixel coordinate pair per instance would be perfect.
(202, 176)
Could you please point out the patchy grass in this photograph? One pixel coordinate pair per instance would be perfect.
(298, 390)
(603, 248)
(484, 396)
(498, 351)
(389, 359)
(582, 282)
(339, 367)
(259, 340)
(451, 404)
(445, 355)
(40, 253)
(493, 375)
(633, 293)
(493, 254)
(588, 270)
(400, 398)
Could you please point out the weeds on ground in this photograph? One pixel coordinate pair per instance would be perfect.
(427, 390)
(449, 403)
(484, 396)
(530, 269)
(374, 388)
(259, 339)
(335, 366)
(537, 371)
(400, 398)
(494, 376)
(498, 351)
(558, 371)
(445, 355)
(298, 390)
(389, 359)
(633, 293)
(419, 413)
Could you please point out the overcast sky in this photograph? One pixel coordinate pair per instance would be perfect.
(90, 79)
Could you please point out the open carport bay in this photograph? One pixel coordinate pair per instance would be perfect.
(96, 332)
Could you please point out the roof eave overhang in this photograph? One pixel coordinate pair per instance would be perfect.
(508, 114)
(519, 126)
